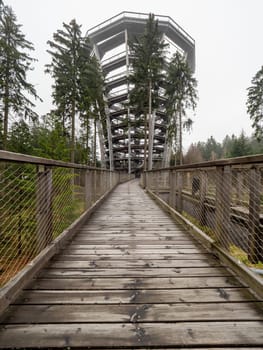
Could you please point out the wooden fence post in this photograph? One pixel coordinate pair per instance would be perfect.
(88, 189)
(157, 179)
(255, 246)
(202, 197)
(179, 191)
(44, 206)
(172, 186)
(223, 205)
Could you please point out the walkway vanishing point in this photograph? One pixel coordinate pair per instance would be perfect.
(133, 278)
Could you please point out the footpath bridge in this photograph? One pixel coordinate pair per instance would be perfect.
(130, 275)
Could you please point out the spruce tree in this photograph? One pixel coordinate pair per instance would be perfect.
(77, 79)
(15, 62)
(148, 52)
(255, 103)
(181, 94)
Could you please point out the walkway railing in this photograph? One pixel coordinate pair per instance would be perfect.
(223, 198)
(39, 199)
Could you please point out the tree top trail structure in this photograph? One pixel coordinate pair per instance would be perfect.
(122, 138)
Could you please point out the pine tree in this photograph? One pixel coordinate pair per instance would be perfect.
(181, 94)
(92, 103)
(148, 52)
(15, 62)
(255, 103)
(77, 87)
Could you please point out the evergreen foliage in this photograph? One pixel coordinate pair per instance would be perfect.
(15, 62)
(231, 147)
(148, 52)
(78, 80)
(255, 103)
(181, 95)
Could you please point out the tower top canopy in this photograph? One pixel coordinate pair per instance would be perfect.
(134, 23)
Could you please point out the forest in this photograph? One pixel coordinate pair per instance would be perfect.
(231, 147)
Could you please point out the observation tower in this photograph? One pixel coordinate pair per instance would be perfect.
(122, 137)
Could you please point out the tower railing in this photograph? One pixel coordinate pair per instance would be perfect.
(136, 16)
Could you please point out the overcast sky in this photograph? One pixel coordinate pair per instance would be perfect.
(229, 49)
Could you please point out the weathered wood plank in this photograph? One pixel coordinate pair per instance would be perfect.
(91, 264)
(138, 272)
(130, 251)
(90, 283)
(86, 232)
(131, 240)
(134, 313)
(133, 334)
(137, 296)
(134, 257)
(132, 245)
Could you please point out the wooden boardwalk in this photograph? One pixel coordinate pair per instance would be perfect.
(132, 278)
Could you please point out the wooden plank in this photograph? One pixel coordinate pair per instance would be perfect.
(132, 245)
(183, 334)
(134, 313)
(82, 257)
(90, 283)
(91, 264)
(99, 251)
(134, 235)
(131, 240)
(168, 232)
(139, 227)
(132, 272)
(139, 296)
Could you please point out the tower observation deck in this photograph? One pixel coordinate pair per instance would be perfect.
(122, 142)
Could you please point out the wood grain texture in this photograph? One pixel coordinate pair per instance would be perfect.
(132, 334)
(133, 278)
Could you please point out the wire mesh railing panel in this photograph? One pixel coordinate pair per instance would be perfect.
(223, 200)
(18, 219)
(38, 202)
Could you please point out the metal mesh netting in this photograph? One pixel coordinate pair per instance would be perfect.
(37, 203)
(226, 202)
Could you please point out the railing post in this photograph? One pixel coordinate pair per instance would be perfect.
(93, 185)
(88, 189)
(179, 191)
(156, 182)
(202, 197)
(172, 186)
(255, 246)
(223, 205)
(44, 206)
(146, 180)
(111, 179)
(107, 180)
(150, 180)
(102, 184)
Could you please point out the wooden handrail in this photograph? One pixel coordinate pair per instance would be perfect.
(24, 158)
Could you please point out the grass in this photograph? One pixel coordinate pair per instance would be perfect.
(206, 229)
(234, 251)
(242, 256)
